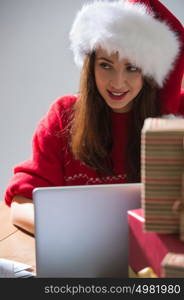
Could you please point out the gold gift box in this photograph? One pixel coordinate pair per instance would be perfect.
(144, 273)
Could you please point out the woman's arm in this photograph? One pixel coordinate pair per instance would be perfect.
(22, 213)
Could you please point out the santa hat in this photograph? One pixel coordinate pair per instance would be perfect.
(144, 32)
(170, 95)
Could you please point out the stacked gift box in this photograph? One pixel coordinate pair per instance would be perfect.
(159, 222)
(162, 166)
(148, 249)
(173, 265)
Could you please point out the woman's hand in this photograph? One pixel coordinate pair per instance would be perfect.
(22, 213)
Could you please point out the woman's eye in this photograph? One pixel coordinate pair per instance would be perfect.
(105, 66)
(133, 69)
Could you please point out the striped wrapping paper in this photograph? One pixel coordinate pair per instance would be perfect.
(162, 166)
(172, 266)
(182, 211)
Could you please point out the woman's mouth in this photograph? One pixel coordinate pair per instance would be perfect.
(117, 96)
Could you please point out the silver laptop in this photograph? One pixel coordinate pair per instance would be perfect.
(82, 231)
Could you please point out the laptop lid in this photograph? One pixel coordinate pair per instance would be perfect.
(82, 231)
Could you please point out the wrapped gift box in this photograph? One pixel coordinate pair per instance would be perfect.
(162, 169)
(173, 265)
(148, 249)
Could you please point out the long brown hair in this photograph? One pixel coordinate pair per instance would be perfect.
(145, 105)
(91, 133)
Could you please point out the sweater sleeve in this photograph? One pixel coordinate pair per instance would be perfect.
(45, 167)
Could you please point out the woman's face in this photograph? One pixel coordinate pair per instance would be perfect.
(118, 81)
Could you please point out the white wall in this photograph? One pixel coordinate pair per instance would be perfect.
(36, 67)
(177, 7)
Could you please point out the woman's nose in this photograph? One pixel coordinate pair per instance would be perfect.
(118, 80)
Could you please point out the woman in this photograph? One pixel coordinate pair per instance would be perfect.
(129, 58)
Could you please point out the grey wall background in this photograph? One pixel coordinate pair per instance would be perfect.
(36, 67)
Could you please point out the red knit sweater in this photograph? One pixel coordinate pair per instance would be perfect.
(52, 163)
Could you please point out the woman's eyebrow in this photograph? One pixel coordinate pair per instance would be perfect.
(128, 64)
(106, 59)
(110, 61)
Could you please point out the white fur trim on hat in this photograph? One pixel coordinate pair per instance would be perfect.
(129, 29)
